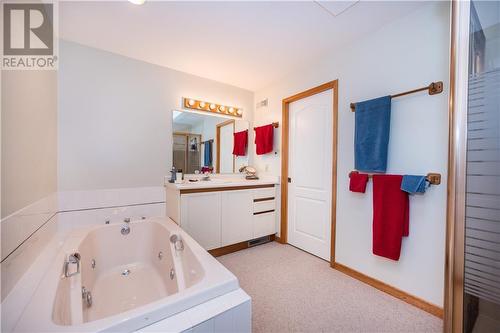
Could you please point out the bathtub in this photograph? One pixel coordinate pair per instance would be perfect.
(126, 281)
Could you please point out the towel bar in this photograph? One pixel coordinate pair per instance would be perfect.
(433, 88)
(432, 178)
(275, 124)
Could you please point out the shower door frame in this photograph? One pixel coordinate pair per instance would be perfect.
(457, 159)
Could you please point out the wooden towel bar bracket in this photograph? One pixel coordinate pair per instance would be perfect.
(434, 88)
(432, 178)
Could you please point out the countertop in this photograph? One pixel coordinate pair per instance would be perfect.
(221, 181)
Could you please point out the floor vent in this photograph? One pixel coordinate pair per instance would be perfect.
(258, 241)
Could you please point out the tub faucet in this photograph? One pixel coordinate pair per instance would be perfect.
(177, 241)
(73, 258)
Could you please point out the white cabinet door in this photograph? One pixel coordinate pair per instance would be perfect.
(201, 218)
(237, 216)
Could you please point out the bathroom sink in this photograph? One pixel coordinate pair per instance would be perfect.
(218, 181)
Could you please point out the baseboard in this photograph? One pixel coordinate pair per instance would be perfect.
(280, 240)
(410, 299)
(233, 248)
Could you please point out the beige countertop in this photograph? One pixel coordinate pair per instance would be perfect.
(221, 181)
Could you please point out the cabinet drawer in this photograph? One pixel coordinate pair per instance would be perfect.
(264, 193)
(262, 206)
(264, 224)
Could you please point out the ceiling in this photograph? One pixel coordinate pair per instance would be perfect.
(187, 118)
(245, 44)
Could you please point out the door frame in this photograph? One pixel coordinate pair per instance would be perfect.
(217, 144)
(285, 159)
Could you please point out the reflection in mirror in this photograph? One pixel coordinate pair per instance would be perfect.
(204, 143)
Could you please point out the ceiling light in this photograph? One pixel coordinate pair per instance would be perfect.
(137, 2)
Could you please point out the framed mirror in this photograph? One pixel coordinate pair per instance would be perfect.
(204, 142)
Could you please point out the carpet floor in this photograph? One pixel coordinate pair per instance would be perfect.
(293, 291)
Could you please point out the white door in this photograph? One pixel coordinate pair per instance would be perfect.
(226, 148)
(310, 172)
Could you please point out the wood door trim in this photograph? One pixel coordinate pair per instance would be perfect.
(285, 159)
(217, 143)
(393, 291)
(222, 189)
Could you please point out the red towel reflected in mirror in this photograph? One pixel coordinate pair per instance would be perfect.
(240, 143)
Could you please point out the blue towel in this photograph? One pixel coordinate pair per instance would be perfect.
(371, 134)
(208, 154)
(413, 184)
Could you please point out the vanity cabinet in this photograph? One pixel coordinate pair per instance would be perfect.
(236, 216)
(217, 218)
(201, 218)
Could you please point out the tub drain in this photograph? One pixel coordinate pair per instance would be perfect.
(126, 272)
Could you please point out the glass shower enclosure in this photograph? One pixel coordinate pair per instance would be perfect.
(473, 265)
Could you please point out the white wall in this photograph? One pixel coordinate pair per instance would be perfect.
(115, 117)
(408, 53)
(29, 138)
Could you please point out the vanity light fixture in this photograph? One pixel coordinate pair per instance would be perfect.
(198, 105)
(137, 2)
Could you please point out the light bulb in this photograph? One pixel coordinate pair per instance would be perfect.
(191, 102)
(212, 106)
(231, 110)
(202, 105)
(137, 2)
(222, 108)
(239, 112)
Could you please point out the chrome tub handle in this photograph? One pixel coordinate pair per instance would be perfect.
(73, 258)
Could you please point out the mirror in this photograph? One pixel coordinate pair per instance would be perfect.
(204, 142)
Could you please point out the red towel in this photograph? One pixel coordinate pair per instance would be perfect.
(240, 143)
(391, 212)
(358, 182)
(264, 139)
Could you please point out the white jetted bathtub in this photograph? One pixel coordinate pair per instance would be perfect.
(123, 277)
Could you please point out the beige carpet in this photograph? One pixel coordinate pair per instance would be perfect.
(293, 291)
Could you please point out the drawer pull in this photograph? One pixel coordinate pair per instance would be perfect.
(263, 199)
(266, 211)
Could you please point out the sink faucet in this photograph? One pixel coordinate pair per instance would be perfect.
(206, 176)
